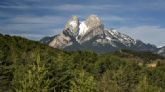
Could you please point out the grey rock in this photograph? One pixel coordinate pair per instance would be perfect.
(95, 37)
(73, 25)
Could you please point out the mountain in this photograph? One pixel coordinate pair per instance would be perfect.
(90, 34)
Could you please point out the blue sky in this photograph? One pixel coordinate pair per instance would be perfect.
(34, 19)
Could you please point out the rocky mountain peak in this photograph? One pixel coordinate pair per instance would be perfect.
(81, 28)
(73, 25)
(93, 21)
(90, 34)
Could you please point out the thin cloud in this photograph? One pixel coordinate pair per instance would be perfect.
(30, 36)
(140, 6)
(76, 7)
(152, 6)
(41, 29)
(37, 36)
(34, 20)
(115, 18)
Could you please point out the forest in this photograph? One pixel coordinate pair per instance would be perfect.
(29, 66)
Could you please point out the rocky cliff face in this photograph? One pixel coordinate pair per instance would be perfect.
(73, 25)
(76, 31)
(90, 34)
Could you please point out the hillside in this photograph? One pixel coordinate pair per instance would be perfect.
(29, 66)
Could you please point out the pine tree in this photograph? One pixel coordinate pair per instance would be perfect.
(108, 83)
(31, 78)
(144, 86)
(83, 83)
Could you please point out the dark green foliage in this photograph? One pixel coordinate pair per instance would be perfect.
(33, 77)
(28, 66)
(82, 82)
(146, 56)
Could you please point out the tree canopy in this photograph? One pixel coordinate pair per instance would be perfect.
(29, 66)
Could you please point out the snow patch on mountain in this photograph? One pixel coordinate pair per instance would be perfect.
(82, 28)
(108, 38)
(122, 38)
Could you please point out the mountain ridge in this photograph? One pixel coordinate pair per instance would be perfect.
(90, 34)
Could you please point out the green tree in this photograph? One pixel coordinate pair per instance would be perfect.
(31, 78)
(6, 69)
(108, 84)
(83, 83)
(144, 86)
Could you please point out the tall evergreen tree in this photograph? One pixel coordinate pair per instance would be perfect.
(144, 86)
(31, 78)
(83, 83)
